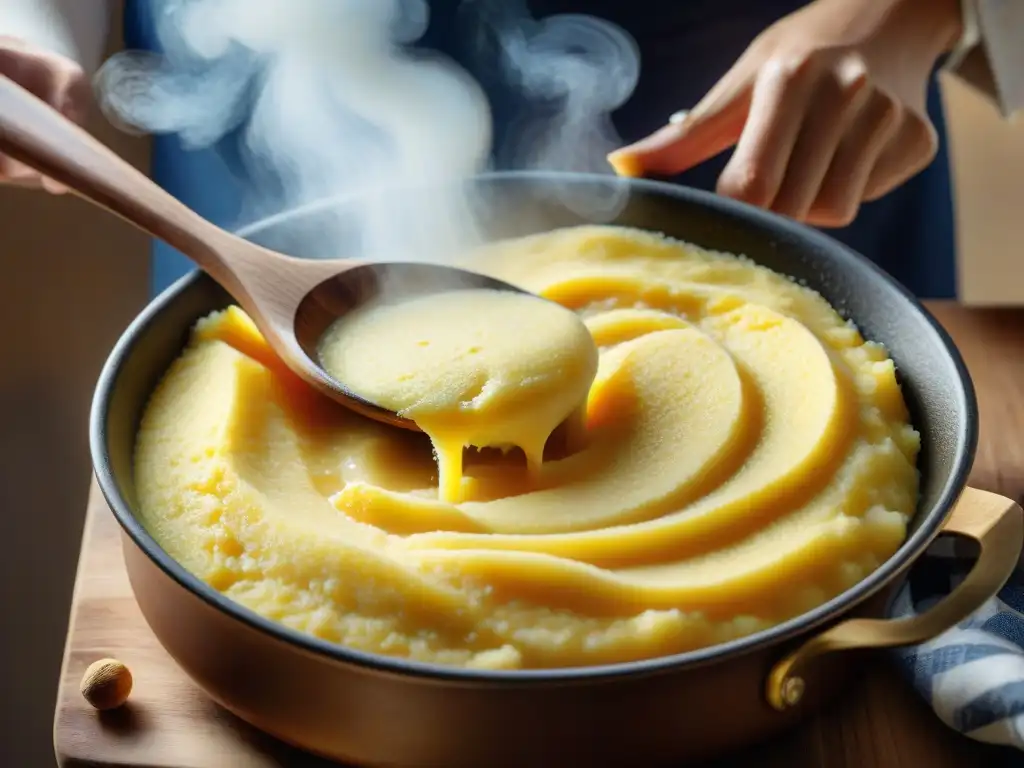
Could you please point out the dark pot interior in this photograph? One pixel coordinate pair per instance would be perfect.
(936, 385)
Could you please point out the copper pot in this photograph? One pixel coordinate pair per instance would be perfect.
(376, 710)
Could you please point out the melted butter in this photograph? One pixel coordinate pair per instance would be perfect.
(473, 368)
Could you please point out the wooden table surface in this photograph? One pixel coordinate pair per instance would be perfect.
(170, 724)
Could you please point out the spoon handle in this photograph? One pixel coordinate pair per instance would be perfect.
(40, 137)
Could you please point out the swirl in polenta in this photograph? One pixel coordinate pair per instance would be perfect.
(746, 456)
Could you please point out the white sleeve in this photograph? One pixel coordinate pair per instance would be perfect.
(74, 28)
(990, 54)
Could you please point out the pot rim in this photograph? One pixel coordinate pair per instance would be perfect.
(912, 547)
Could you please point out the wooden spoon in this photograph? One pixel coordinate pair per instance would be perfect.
(292, 301)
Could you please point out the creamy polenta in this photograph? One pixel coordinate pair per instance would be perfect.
(746, 456)
(481, 368)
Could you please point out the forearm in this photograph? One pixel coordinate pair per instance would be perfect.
(74, 28)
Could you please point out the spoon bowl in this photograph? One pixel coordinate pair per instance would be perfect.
(357, 284)
(292, 301)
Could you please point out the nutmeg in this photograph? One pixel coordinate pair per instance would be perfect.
(106, 684)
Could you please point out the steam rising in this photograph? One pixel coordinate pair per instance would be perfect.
(326, 99)
(576, 69)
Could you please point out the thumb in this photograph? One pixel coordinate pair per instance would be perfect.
(689, 139)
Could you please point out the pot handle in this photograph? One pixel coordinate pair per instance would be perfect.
(995, 522)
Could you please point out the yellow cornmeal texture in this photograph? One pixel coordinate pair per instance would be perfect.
(481, 368)
(747, 457)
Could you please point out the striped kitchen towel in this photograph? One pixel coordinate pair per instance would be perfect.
(973, 674)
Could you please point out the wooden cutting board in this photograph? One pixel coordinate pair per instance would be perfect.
(168, 723)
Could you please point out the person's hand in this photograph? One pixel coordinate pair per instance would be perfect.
(826, 108)
(58, 81)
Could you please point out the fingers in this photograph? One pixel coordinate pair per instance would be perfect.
(689, 139)
(779, 104)
(842, 190)
(909, 152)
(683, 144)
(837, 99)
(53, 79)
(820, 141)
(814, 136)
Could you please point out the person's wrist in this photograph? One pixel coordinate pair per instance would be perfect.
(939, 21)
(936, 23)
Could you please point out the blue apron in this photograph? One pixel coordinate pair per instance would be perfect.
(686, 45)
